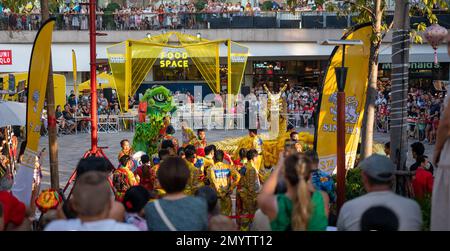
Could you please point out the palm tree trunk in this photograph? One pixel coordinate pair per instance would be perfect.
(399, 78)
(369, 114)
(52, 133)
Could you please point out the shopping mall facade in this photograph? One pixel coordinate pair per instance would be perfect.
(278, 54)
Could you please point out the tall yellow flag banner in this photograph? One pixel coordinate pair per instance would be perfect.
(357, 61)
(37, 84)
(74, 66)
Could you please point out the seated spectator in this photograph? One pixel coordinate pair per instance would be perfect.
(423, 180)
(377, 175)
(134, 202)
(209, 195)
(170, 146)
(92, 200)
(379, 219)
(115, 110)
(126, 149)
(123, 177)
(14, 212)
(69, 118)
(117, 212)
(302, 207)
(102, 102)
(146, 174)
(216, 221)
(94, 164)
(176, 211)
(60, 118)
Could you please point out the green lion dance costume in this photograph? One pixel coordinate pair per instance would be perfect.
(159, 104)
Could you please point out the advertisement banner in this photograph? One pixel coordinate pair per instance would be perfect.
(37, 84)
(5, 57)
(357, 61)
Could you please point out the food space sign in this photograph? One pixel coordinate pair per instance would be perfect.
(5, 57)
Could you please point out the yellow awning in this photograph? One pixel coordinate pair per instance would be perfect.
(104, 80)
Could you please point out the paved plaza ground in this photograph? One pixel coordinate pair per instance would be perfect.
(72, 147)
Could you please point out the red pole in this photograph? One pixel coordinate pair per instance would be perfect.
(340, 128)
(93, 54)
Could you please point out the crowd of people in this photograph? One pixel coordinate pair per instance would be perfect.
(169, 15)
(301, 104)
(76, 112)
(424, 110)
(189, 186)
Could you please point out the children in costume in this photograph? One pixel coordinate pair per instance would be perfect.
(123, 177)
(249, 186)
(223, 178)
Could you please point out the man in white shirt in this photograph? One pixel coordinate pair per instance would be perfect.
(378, 173)
(92, 200)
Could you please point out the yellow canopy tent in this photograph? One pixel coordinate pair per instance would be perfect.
(104, 80)
(22, 78)
(131, 61)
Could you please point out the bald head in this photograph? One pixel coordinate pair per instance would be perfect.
(92, 194)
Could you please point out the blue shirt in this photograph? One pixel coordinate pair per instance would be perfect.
(323, 181)
(186, 214)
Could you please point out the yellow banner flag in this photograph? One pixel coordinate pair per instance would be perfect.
(74, 65)
(37, 84)
(357, 61)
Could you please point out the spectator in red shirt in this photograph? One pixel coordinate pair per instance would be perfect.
(423, 181)
(14, 211)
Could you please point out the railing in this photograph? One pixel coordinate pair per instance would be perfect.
(199, 20)
(182, 20)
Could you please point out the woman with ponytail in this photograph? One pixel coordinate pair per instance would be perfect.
(301, 208)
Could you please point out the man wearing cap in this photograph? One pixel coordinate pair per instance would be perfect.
(378, 173)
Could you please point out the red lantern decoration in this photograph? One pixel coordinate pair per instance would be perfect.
(435, 34)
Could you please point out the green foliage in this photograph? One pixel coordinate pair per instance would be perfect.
(267, 5)
(112, 7)
(425, 205)
(353, 184)
(365, 13)
(319, 2)
(108, 17)
(108, 20)
(54, 4)
(14, 5)
(200, 4)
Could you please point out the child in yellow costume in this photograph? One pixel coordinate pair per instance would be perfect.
(249, 187)
(223, 178)
(257, 144)
(240, 165)
(196, 172)
(208, 160)
(162, 154)
(187, 133)
(200, 140)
